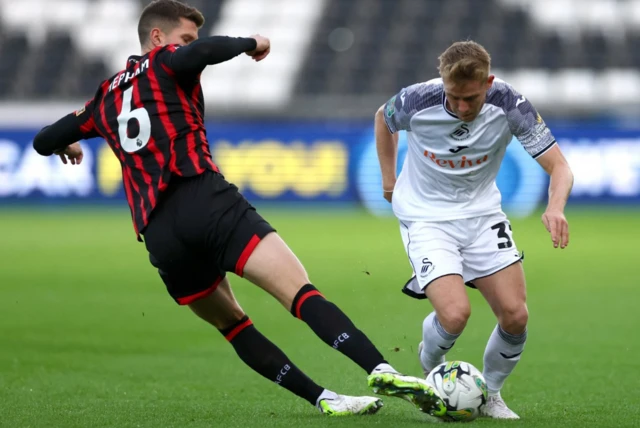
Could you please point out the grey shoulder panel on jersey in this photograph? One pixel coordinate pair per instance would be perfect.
(504, 96)
(399, 110)
(524, 121)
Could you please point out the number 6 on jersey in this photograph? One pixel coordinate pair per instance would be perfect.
(133, 144)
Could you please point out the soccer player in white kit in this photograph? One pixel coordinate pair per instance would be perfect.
(449, 207)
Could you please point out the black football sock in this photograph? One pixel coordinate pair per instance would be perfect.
(268, 360)
(331, 325)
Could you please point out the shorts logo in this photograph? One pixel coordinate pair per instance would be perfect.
(427, 267)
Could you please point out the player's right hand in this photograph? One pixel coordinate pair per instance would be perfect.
(388, 195)
(556, 224)
(73, 152)
(263, 47)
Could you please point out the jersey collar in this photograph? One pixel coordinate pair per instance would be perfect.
(444, 106)
(133, 59)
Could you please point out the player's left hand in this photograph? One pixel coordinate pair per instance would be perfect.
(557, 225)
(73, 152)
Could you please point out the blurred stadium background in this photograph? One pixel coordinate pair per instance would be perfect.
(296, 130)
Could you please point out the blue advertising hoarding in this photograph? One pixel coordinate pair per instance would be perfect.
(320, 163)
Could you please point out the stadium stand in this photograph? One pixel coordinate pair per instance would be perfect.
(90, 37)
(550, 47)
(574, 55)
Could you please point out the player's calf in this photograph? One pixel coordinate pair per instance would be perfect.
(505, 291)
(336, 329)
(501, 356)
(273, 267)
(268, 360)
(443, 326)
(436, 342)
(220, 308)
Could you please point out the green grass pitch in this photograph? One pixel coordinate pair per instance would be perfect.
(89, 337)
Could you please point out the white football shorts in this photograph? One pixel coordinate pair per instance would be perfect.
(472, 248)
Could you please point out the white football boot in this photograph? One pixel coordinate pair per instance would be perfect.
(497, 409)
(345, 405)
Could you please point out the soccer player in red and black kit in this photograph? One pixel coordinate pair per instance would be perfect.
(196, 225)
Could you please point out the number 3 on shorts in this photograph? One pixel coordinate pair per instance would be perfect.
(502, 233)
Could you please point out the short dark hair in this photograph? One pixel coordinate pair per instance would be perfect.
(166, 14)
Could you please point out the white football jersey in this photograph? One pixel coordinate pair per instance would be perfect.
(451, 166)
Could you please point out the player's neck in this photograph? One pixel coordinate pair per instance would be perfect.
(146, 49)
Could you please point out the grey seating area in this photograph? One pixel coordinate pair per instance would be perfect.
(397, 42)
(358, 47)
(55, 67)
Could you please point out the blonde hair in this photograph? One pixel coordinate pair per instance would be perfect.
(465, 61)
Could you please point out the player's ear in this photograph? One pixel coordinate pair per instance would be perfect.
(490, 80)
(156, 37)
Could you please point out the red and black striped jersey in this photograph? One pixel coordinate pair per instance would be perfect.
(152, 115)
(152, 118)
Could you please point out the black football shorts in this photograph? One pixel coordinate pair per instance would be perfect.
(201, 229)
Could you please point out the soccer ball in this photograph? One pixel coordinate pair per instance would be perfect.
(462, 388)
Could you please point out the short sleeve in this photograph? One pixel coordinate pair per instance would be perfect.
(525, 123)
(401, 108)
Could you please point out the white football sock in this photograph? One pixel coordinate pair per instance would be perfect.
(501, 356)
(436, 340)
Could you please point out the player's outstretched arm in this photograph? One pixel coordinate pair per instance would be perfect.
(58, 136)
(61, 137)
(194, 57)
(556, 165)
(387, 147)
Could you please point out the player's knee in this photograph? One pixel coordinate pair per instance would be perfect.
(454, 318)
(514, 320)
(230, 318)
(224, 322)
(219, 317)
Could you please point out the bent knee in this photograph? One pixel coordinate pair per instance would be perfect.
(219, 316)
(229, 319)
(514, 320)
(454, 318)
